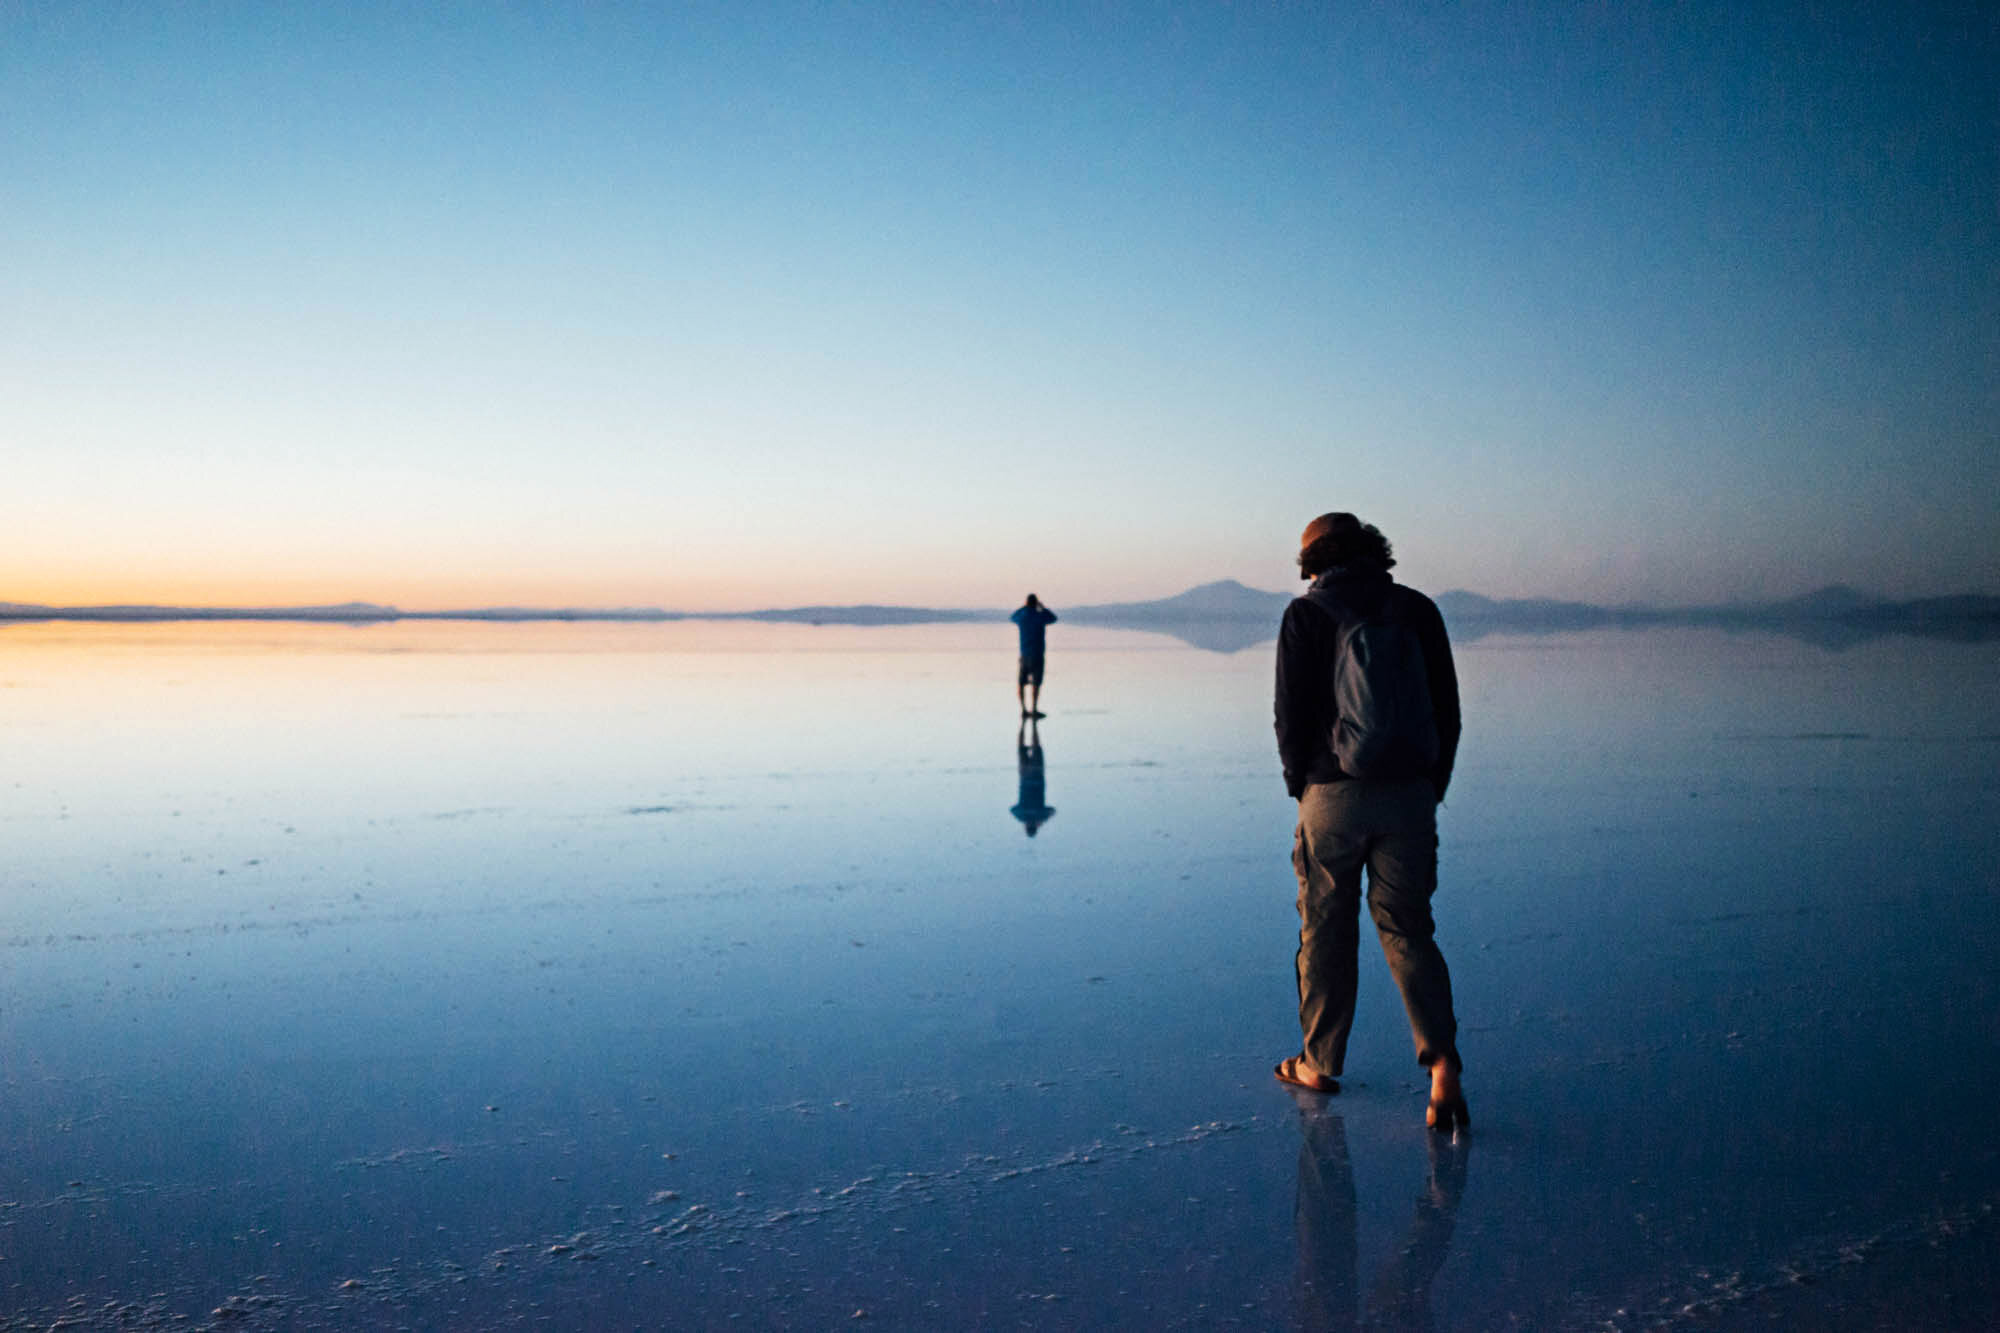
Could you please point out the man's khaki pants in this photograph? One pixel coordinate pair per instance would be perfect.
(1390, 829)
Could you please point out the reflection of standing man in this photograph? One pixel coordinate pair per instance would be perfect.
(1034, 620)
(1323, 1217)
(1033, 809)
(1368, 723)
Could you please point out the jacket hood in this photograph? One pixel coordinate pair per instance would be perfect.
(1361, 587)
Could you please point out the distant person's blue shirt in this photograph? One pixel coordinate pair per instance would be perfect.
(1034, 622)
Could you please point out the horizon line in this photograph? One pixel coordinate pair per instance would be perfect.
(361, 610)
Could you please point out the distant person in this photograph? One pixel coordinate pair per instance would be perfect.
(1368, 723)
(1033, 808)
(1034, 620)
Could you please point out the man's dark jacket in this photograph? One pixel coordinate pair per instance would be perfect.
(1308, 642)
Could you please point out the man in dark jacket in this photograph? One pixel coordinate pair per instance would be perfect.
(1383, 818)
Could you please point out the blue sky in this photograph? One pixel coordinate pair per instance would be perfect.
(741, 305)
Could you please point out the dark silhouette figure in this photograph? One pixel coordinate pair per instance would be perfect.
(1368, 723)
(1033, 808)
(1034, 620)
(1324, 1283)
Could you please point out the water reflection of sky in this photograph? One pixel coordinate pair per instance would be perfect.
(590, 971)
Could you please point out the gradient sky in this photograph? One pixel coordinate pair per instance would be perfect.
(756, 304)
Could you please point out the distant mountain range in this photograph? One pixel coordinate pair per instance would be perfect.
(1228, 616)
(1223, 617)
(1834, 616)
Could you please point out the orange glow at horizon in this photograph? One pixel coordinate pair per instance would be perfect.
(422, 579)
(407, 593)
(704, 591)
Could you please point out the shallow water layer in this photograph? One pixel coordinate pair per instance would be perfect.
(758, 975)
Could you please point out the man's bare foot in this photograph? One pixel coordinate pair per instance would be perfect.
(1299, 1072)
(1446, 1114)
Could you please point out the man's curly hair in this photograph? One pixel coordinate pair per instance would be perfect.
(1334, 540)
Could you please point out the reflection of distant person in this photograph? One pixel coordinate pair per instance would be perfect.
(1033, 809)
(1034, 620)
(1368, 723)
(1323, 1286)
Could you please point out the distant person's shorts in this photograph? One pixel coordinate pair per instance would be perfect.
(1031, 671)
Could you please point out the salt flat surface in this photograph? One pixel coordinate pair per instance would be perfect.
(706, 975)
